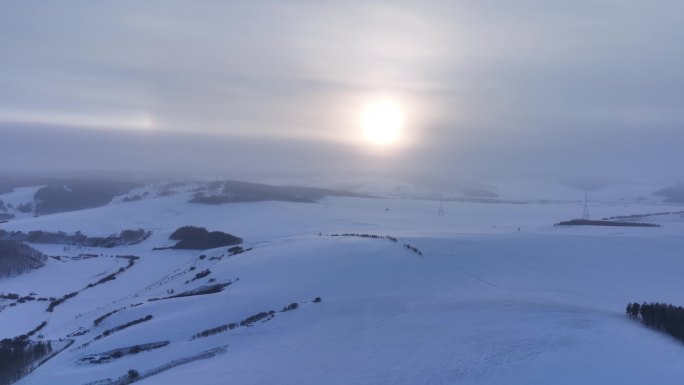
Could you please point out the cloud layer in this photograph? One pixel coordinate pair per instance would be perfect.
(521, 87)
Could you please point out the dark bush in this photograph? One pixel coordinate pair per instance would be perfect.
(25, 208)
(199, 238)
(201, 274)
(255, 318)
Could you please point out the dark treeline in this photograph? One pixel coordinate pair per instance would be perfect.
(17, 258)
(373, 236)
(18, 358)
(661, 316)
(125, 237)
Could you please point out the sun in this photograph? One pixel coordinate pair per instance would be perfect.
(381, 122)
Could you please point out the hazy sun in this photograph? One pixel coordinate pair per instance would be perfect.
(381, 122)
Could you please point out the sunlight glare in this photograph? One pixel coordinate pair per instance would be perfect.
(381, 122)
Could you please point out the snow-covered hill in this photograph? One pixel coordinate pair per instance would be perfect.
(487, 294)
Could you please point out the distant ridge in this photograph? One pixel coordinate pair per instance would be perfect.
(237, 191)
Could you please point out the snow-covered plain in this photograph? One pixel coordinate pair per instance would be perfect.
(498, 296)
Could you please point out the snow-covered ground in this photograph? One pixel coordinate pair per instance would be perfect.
(498, 296)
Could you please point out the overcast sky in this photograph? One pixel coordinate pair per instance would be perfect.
(516, 88)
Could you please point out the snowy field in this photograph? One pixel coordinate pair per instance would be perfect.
(498, 296)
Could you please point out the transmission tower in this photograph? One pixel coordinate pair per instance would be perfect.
(440, 212)
(585, 214)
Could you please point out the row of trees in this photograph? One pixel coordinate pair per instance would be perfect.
(661, 316)
(374, 236)
(125, 237)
